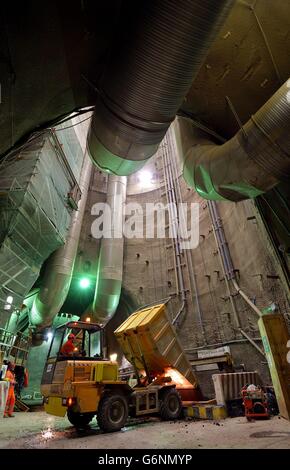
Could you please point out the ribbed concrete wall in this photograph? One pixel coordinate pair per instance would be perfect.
(149, 273)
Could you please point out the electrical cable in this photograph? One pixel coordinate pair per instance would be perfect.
(73, 125)
(186, 115)
(69, 117)
(32, 135)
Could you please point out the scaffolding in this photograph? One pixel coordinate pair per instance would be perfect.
(38, 192)
(14, 345)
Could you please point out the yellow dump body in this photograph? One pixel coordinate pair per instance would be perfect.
(148, 340)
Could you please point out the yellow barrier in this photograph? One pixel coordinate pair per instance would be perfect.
(211, 412)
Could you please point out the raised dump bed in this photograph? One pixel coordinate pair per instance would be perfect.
(149, 341)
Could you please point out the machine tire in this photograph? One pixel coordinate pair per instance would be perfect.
(112, 412)
(79, 420)
(171, 405)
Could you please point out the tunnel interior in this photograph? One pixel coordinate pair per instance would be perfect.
(144, 158)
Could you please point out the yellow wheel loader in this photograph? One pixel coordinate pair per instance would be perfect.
(85, 384)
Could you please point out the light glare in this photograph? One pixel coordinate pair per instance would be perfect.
(49, 336)
(84, 283)
(145, 178)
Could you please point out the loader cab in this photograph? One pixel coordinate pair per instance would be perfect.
(88, 344)
(88, 341)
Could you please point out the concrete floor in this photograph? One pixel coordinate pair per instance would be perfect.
(38, 430)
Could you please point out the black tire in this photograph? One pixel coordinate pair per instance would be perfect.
(112, 412)
(170, 406)
(79, 420)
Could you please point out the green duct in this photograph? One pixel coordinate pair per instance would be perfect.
(151, 67)
(251, 163)
(110, 263)
(59, 269)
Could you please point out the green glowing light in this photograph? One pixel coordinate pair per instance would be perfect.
(84, 283)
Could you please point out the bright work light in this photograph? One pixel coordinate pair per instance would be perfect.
(84, 283)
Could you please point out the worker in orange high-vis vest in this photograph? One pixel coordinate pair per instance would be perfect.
(69, 348)
(10, 377)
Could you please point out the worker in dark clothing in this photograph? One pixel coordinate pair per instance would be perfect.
(21, 376)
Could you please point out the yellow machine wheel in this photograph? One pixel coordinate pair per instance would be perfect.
(171, 405)
(112, 412)
(79, 419)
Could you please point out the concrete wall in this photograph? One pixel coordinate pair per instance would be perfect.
(149, 273)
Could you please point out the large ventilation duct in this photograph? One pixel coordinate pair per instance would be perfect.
(152, 65)
(251, 163)
(59, 269)
(110, 265)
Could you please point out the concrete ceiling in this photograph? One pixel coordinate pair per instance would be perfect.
(51, 55)
(247, 63)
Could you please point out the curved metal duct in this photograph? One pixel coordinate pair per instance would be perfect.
(153, 63)
(250, 163)
(110, 265)
(59, 269)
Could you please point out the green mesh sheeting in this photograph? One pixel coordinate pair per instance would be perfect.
(34, 213)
